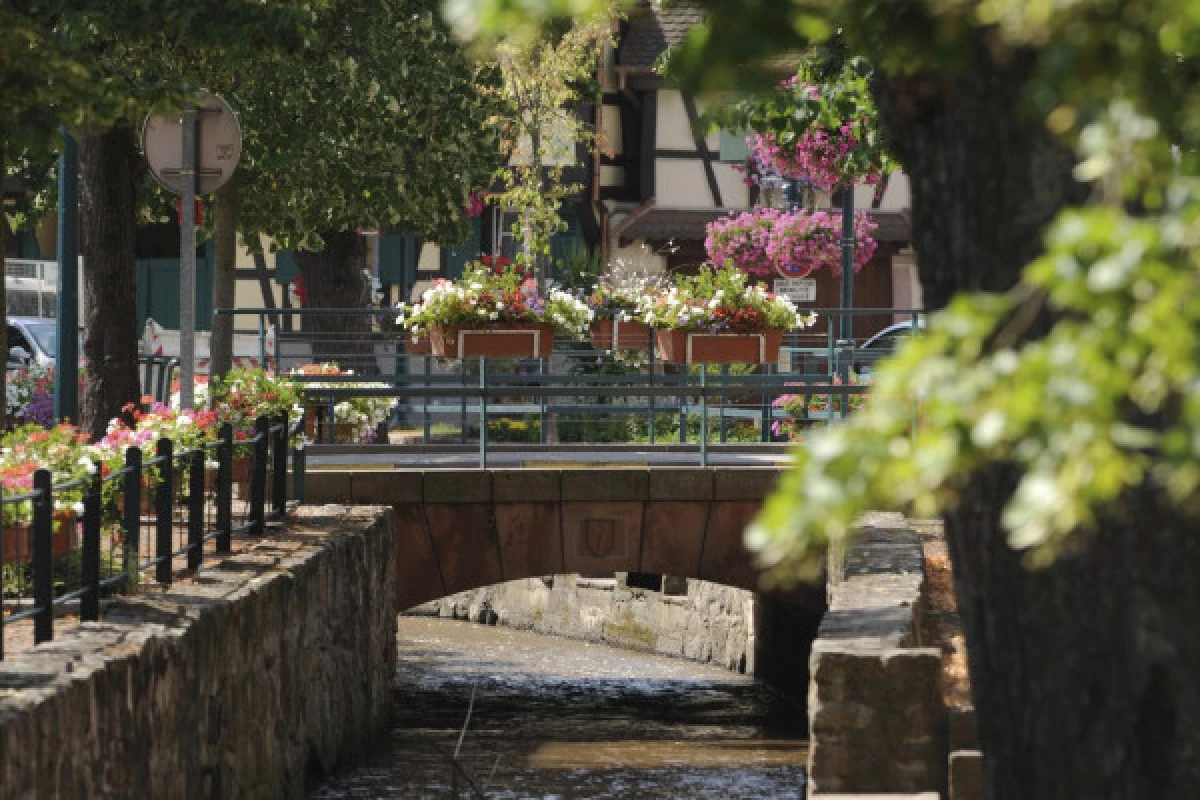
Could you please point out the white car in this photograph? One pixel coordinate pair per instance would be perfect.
(883, 344)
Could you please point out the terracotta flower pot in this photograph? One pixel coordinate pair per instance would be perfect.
(532, 341)
(692, 347)
(18, 539)
(609, 334)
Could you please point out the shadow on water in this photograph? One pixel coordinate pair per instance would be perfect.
(555, 718)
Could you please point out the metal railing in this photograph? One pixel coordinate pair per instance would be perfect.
(158, 515)
(376, 349)
(714, 401)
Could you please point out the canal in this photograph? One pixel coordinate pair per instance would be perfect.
(555, 718)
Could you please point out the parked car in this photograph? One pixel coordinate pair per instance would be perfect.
(883, 344)
(32, 340)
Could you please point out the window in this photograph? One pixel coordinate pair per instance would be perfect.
(733, 145)
(503, 241)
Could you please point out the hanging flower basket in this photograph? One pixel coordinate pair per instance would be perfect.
(692, 347)
(18, 539)
(529, 341)
(616, 334)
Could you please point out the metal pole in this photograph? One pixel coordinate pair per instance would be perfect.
(483, 418)
(704, 415)
(66, 375)
(187, 263)
(847, 299)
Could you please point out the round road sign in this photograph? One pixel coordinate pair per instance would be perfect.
(218, 145)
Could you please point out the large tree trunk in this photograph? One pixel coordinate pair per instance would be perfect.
(1083, 674)
(109, 170)
(335, 278)
(224, 277)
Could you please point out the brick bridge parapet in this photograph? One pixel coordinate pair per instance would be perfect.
(463, 529)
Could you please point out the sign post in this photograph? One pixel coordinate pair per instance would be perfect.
(190, 153)
(66, 374)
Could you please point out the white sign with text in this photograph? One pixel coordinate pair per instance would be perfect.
(798, 290)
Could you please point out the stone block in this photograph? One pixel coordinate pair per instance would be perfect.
(674, 537)
(684, 483)
(615, 485)
(960, 728)
(457, 486)
(530, 536)
(463, 538)
(745, 483)
(966, 775)
(326, 486)
(601, 537)
(527, 485)
(725, 558)
(387, 488)
(876, 721)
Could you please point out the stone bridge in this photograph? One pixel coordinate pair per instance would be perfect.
(465, 529)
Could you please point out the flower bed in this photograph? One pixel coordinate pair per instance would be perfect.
(614, 305)
(355, 419)
(717, 316)
(458, 316)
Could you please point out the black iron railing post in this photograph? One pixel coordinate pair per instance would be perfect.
(133, 511)
(164, 494)
(89, 604)
(225, 489)
(3, 527)
(195, 529)
(279, 469)
(43, 556)
(299, 468)
(258, 474)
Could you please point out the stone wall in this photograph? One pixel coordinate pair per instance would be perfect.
(250, 681)
(704, 622)
(876, 719)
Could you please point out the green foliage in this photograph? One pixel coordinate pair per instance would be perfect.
(383, 121)
(544, 80)
(828, 93)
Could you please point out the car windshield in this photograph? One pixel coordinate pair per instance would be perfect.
(45, 334)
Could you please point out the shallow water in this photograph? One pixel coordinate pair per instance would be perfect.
(554, 718)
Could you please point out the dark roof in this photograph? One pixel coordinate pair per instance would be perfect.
(666, 223)
(653, 27)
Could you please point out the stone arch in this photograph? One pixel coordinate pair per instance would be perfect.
(464, 529)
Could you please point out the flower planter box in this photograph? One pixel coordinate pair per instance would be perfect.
(691, 347)
(611, 334)
(418, 347)
(534, 341)
(18, 539)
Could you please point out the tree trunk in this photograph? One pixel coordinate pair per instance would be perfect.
(109, 170)
(335, 278)
(1083, 674)
(224, 277)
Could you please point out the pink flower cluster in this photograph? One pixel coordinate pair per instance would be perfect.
(767, 241)
(743, 239)
(475, 203)
(819, 156)
(803, 241)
